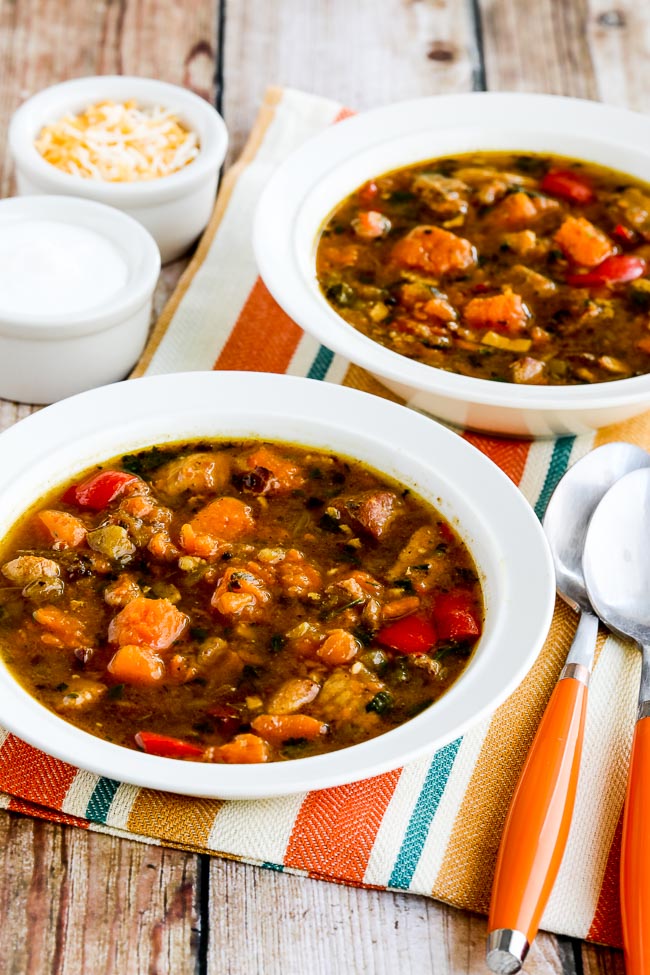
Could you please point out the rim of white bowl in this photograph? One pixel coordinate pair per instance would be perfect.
(127, 235)
(507, 541)
(52, 103)
(289, 273)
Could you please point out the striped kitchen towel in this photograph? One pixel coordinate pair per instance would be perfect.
(432, 827)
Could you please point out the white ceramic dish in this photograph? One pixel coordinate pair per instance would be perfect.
(314, 179)
(48, 355)
(491, 515)
(175, 209)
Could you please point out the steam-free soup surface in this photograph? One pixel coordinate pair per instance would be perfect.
(505, 266)
(236, 602)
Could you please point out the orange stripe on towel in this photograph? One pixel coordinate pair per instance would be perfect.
(509, 455)
(335, 829)
(264, 339)
(51, 815)
(29, 774)
(606, 924)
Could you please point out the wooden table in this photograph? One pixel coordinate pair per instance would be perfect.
(74, 903)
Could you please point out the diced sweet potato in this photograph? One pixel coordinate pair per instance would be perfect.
(583, 243)
(518, 210)
(240, 593)
(140, 665)
(242, 750)
(276, 474)
(506, 312)
(297, 577)
(162, 548)
(439, 308)
(336, 256)
(224, 519)
(62, 628)
(61, 529)
(195, 543)
(122, 591)
(154, 623)
(340, 647)
(434, 251)
(277, 728)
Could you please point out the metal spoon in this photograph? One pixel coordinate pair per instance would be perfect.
(617, 573)
(537, 826)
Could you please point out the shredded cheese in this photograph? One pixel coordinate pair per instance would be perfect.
(118, 143)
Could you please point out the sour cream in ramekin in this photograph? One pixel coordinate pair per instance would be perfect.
(76, 287)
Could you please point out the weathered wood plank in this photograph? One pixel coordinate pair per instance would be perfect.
(363, 53)
(73, 901)
(270, 923)
(597, 960)
(541, 46)
(619, 40)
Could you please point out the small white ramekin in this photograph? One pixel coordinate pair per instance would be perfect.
(46, 357)
(175, 209)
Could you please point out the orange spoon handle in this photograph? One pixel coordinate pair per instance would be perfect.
(537, 824)
(635, 855)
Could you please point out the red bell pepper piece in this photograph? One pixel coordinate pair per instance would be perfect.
(368, 193)
(411, 634)
(97, 491)
(227, 717)
(568, 185)
(624, 233)
(613, 270)
(167, 747)
(454, 616)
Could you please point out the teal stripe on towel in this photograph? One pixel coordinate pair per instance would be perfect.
(101, 799)
(557, 467)
(422, 815)
(320, 365)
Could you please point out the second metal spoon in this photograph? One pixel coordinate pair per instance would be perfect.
(537, 826)
(617, 573)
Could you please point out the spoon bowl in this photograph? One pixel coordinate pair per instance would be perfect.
(616, 567)
(537, 826)
(573, 503)
(616, 559)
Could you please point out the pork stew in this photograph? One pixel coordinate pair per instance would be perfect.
(236, 602)
(510, 267)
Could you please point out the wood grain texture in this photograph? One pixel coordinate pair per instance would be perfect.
(362, 53)
(619, 40)
(75, 902)
(324, 929)
(541, 46)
